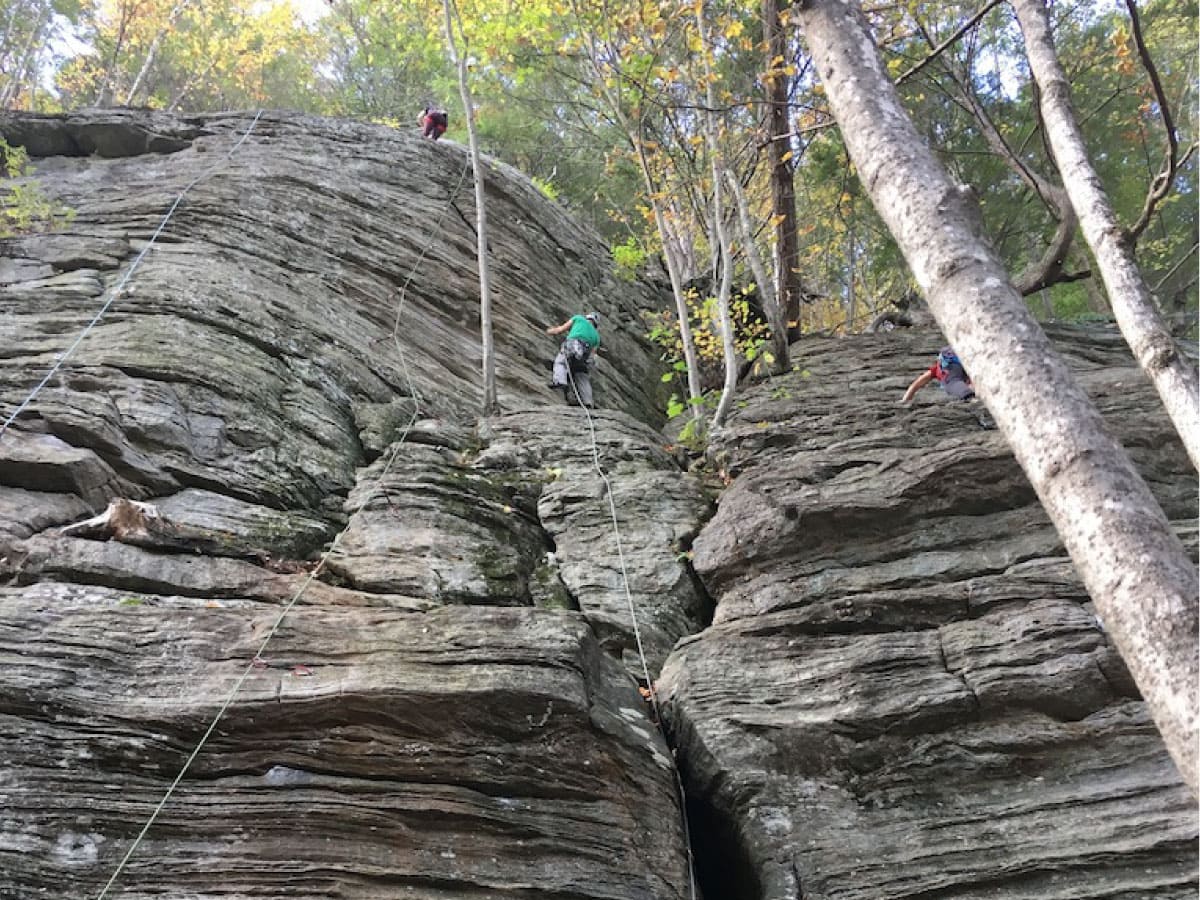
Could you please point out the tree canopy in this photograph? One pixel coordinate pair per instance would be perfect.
(578, 94)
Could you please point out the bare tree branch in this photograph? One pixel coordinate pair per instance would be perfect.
(944, 45)
(1175, 268)
(1161, 185)
(1048, 269)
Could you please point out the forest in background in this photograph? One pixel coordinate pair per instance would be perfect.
(606, 105)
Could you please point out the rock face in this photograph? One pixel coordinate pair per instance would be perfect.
(430, 630)
(906, 692)
(448, 710)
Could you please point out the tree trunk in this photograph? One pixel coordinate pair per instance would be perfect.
(106, 88)
(632, 131)
(25, 64)
(851, 294)
(1137, 316)
(152, 53)
(490, 405)
(1048, 269)
(788, 289)
(720, 227)
(766, 288)
(673, 273)
(1135, 568)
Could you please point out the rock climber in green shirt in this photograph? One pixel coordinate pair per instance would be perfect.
(576, 357)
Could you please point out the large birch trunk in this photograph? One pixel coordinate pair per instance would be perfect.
(490, 406)
(1135, 568)
(1137, 315)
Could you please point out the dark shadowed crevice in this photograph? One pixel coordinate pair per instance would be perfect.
(724, 870)
(708, 606)
(706, 603)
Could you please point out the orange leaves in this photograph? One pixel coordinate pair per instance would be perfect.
(1123, 51)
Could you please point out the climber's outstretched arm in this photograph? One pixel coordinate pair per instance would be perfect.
(919, 382)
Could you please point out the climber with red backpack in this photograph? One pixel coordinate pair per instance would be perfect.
(433, 122)
(576, 357)
(948, 371)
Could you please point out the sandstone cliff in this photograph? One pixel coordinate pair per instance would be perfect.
(904, 691)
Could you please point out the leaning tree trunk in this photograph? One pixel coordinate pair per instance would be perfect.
(490, 406)
(1048, 269)
(671, 256)
(1144, 328)
(152, 53)
(1135, 568)
(783, 186)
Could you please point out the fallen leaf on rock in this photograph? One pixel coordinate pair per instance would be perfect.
(301, 670)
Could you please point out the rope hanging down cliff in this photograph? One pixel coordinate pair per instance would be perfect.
(637, 631)
(375, 492)
(116, 291)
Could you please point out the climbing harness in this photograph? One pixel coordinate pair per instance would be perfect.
(116, 291)
(257, 662)
(650, 692)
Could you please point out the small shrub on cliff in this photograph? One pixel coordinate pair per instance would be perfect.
(24, 207)
(546, 187)
(628, 258)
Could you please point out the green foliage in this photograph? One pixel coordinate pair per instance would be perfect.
(580, 96)
(220, 54)
(629, 258)
(750, 331)
(691, 435)
(547, 188)
(24, 206)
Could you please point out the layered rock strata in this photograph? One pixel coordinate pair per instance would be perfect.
(906, 692)
(287, 387)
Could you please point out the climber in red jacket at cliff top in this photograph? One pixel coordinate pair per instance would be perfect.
(433, 122)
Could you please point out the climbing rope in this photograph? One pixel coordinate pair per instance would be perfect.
(637, 631)
(376, 491)
(116, 291)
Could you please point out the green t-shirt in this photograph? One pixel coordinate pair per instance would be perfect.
(582, 329)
